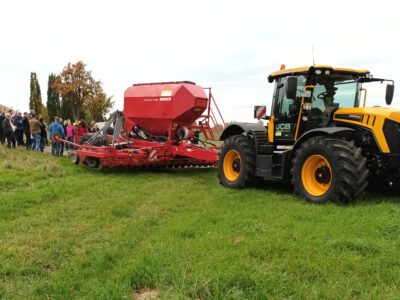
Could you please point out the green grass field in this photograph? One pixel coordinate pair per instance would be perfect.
(67, 232)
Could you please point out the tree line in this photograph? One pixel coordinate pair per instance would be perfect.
(71, 94)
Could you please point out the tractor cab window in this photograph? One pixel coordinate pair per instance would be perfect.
(332, 92)
(335, 91)
(286, 108)
(346, 93)
(286, 111)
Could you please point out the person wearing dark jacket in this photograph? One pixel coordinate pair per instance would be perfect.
(19, 130)
(27, 130)
(8, 129)
(62, 123)
(2, 137)
(43, 134)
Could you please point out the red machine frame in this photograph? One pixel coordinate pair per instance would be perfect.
(123, 150)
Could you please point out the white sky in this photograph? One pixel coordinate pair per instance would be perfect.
(231, 46)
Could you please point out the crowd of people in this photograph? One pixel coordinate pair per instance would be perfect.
(30, 130)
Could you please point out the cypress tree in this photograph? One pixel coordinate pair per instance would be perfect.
(35, 98)
(66, 108)
(32, 91)
(53, 98)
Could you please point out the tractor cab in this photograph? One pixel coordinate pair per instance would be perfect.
(306, 98)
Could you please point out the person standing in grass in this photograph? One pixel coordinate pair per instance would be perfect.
(27, 131)
(8, 129)
(43, 134)
(34, 126)
(94, 128)
(56, 130)
(81, 131)
(62, 122)
(70, 132)
(19, 131)
(2, 136)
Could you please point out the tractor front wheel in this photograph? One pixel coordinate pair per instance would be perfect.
(328, 169)
(236, 164)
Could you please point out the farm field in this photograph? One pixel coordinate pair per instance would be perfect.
(67, 232)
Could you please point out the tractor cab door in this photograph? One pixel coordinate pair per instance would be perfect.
(286, 111)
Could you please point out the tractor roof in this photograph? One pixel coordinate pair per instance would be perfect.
(304, 70)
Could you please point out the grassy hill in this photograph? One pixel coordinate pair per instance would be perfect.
(67, 232)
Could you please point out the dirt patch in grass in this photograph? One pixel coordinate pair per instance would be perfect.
(146, 295)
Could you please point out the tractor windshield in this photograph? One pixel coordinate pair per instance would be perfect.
(335, 91)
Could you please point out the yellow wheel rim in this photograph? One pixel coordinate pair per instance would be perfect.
(232, 165)
(316, 175)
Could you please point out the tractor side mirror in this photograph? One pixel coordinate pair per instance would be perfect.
(389, 93)
(291, 87)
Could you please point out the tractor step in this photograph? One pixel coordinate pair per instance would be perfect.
(273, 166)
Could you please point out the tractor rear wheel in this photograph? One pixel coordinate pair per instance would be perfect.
(236, 163)
(329, 169)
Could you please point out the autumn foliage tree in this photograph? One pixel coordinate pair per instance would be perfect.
(81, 94)
(98, 103)
(74, 83)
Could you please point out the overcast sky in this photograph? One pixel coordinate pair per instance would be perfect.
(231, 46)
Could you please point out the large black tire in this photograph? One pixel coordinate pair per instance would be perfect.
(343, 174)
(241, 166)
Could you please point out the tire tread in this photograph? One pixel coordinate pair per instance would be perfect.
(351, 173)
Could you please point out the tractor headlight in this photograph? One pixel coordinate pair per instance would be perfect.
(355, 117)
(351, 117)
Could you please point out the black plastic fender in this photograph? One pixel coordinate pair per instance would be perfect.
(239, 128)
(338, 131)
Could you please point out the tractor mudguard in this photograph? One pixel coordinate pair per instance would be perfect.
(239, 128)
(338, 131)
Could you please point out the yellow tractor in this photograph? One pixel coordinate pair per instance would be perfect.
(320, 137)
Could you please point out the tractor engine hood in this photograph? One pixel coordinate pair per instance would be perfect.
(383, 122)
(358, 113)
